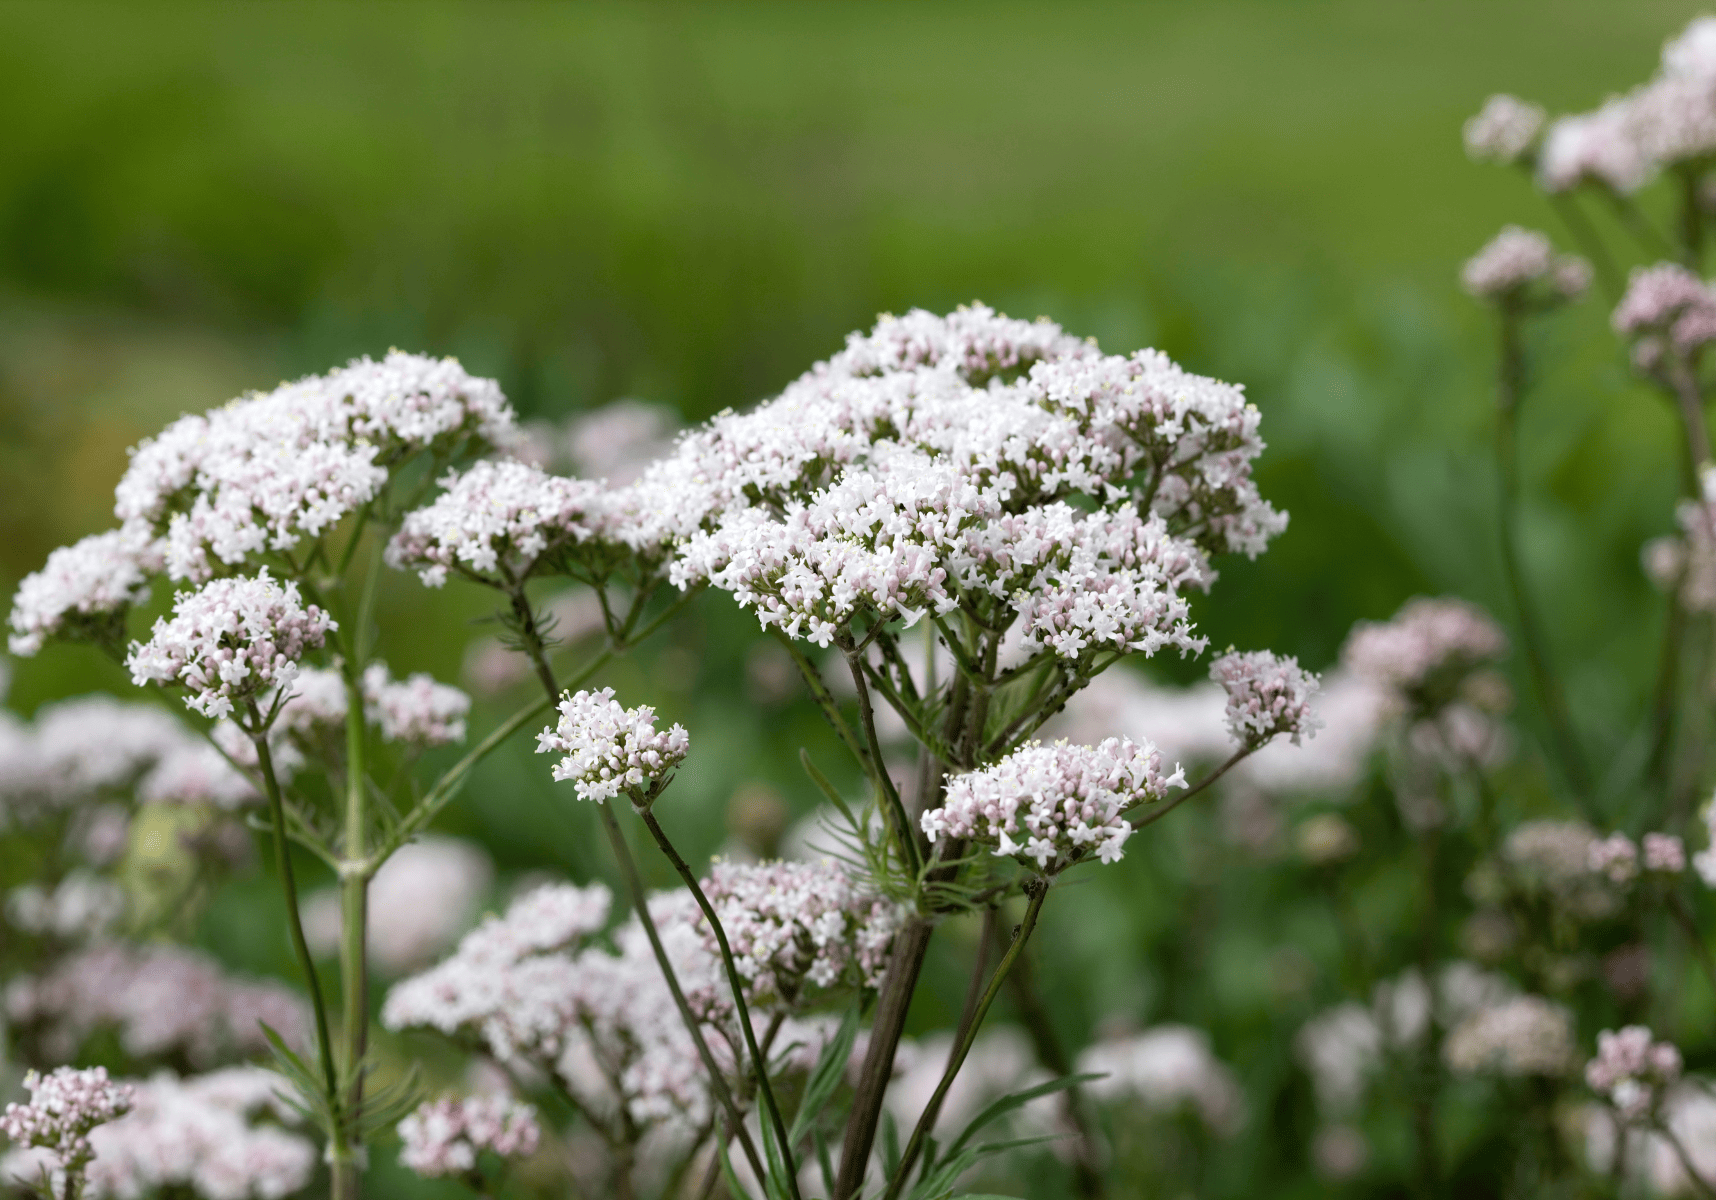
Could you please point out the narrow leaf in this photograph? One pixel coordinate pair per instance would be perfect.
(825, 1077)
(1016, 1100)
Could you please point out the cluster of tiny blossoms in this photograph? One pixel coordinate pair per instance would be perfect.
(1619, 858)
(264, 472)
(1519, 264)
(1631, 1070)
(611, 749)
(795, 923)
(83, 592)
(1164, 1069)
(1526, 1035)
(1053, 805)
(1666, 307)
(230, 642)
(493, 524)
(1266, 695)
(445, 1136)
(64, 1107)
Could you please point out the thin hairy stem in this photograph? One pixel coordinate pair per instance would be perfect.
(824, 699)
(1510, 384)
(640, 903)
(979, 965)
(1156, 814)
(1038, 891)
(759, 1061)
(295, 924)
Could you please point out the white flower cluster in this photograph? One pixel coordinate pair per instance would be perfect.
(420, 901)
(1504, 130)
(1426, 650)
(81, 906)
(494, 524)
(611, 749)
(160, 999)
(1519, 259)
(416, 710)
(83, 592)
(444, 1137)
(64, 1108)
(1632, 1069)
(1164, 1069)
(535, 992)
(792, 924)
(82, 749)
(264, 472)
(1526, 1035)
(202, 1134)
(230, 642)
(1054, 805)
(1266, 695)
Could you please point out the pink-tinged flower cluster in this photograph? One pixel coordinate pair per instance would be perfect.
(1526, 1035)
(1520, 264)
(230, 643)
(535, 991)
(1165, 1069)
(1631, 1070)
(213, 1135)
(1597, 147)
(64, 1108)
(795, 924)
(83, 750)
(1267, 695)
(420, 901)
(610, 749)
(1666, 307)
(416, 710)
(1618, 858)
(83, 905)
(1504, 130)
(1054, 805)
(83, 592)
(1426, 650)
(495, 524)
(266, 471)
(197, 773)
(444, 1137)
(159, 999)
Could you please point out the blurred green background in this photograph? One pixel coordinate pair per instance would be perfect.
(690, 205)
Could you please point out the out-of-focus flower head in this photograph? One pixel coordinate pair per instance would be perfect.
(1164, 1069)
(1631, 1070)
(1504, 130)
(611, 749)
(232, 642)
(1666, 307)
(416, 710)
(1526, 1035)
(1054, 805)
(444, 1137)
(1518, 268)
(1426, 652)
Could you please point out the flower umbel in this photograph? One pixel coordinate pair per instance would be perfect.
(612, 749)
(230, 642)
(1266, 695)
(63, 1108)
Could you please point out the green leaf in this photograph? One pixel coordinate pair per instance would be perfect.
(823, 1160)
(828, 789)
(732, 1180)
(775, 1185)
(825, 1077)
(1016, 1100)
(890, 1145)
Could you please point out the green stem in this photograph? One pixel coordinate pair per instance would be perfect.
(1038, 891)
(640, 904)
(289, 885)
(1510, 378)
(1579, 225)
(758, 1061)
(910, 847)
(1156, 814)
